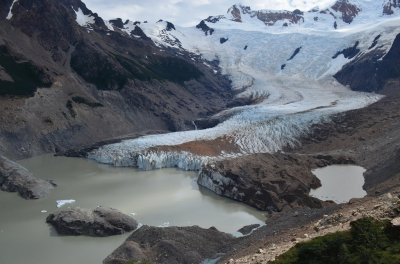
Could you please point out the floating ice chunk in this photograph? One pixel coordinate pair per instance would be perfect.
(61, 203)
(10, 14)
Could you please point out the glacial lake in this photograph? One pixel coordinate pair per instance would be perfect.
(158, 198)
(340, 183)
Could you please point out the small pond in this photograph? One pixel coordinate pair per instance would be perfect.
(340, 183)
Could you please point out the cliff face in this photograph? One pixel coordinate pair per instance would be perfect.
(68, 79)
(370, 72)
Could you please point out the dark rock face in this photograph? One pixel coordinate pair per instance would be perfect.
(267, 182)
(295, 53)
(268, 17)
(19, 77)
(139, 33)
(389, 6)
(368, 73)
(223, 40)
(15, 178)
(248, 229)
(171, 245)
(348, 53)
(206, 29)
(99, 222)
(170, 26)
(375, 42)
(349, 11)
(117, 23)
(235, 12)
(214, 19)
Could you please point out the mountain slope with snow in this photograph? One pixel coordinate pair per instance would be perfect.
(287, 65)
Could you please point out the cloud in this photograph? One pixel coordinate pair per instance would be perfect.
(188, 12)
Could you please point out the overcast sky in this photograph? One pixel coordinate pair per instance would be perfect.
(187, 12)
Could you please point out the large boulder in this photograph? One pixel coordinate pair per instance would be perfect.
(171, 245)
(15, 178)
(99, 222)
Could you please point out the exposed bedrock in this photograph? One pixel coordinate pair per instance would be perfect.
(171, 245)
(269, 182)
(371, 71)
(15, 178)
(99, 222)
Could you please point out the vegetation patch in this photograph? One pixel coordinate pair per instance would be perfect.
(368, 241)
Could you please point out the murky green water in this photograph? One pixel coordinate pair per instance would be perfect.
(162, 197)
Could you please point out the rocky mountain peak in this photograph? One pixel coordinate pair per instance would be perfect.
(268, 17)
(237, 10)
(348, 10)
(389, 6)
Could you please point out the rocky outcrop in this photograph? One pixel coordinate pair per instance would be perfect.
(15, 178)
(372, 70)
(236, 14)
(20, 77)
(248, 229)
(171, 245)
(348, 10)
(268, 182)
(206, 29)
(268, 17)
(99, 222)
(348, 53)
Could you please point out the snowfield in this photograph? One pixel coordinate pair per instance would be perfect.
(294, 93)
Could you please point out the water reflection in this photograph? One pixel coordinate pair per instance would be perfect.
(155, 197)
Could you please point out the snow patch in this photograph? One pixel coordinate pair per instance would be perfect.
(84, 20)
(10, 14)
(109, 25)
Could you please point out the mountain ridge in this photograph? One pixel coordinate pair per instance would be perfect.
(137, 86)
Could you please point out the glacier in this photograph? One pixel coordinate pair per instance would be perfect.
(291, 99)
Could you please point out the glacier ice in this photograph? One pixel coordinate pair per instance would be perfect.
(291, 100)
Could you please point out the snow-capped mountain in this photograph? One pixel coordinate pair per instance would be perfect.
(69, 78)
(286, 61)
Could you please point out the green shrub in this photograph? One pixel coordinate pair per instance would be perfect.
(369, 241)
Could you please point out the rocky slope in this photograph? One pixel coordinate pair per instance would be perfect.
(294, 91)
(268, 182)
(172, 245)
(265, 250)
(68, 78)
(15, 178)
